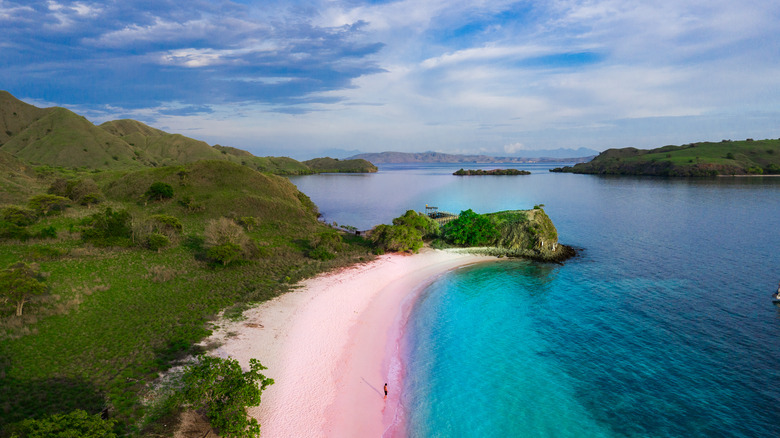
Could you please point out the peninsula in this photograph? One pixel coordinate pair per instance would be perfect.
(746, 157)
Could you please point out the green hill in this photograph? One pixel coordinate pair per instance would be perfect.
(59, 138)
(16, 115)
(747, 157)
(160, 148)
(63, 138)
(334, 165)
(221, 188)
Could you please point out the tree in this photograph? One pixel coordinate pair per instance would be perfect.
(108, 227)
(47, 204)
(19, 282)
(158, 191)
(220, 389)
(471, 229)
(226, 241)
(75, 424)
(397, 238)
(425, 225)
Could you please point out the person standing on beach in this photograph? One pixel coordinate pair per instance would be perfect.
(385, 390)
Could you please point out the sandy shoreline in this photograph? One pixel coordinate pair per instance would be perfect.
(330, 346)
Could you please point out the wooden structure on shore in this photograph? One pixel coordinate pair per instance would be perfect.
(440, 217)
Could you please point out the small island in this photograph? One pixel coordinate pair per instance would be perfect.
(528, 234)
(471, 172)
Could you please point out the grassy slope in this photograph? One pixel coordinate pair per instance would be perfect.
(17, 180)
(59, 138)
(115, 317)
(159, 147)
(63, 138)
(695, 159)
(16, 115)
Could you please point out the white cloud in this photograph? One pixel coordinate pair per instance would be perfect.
(514, 147)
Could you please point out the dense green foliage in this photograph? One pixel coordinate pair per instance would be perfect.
(406, 233)
(425, 225)
(45, 205)
(77, 424)
(223, 391)
(159, 191)
(748, 157)
(398, 238)
(107, 228)
(470, 172)
(471, 229)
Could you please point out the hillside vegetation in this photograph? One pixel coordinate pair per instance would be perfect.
(334, 165)
(135, 265)
(57, 137)
(748, 157)
(526, 234)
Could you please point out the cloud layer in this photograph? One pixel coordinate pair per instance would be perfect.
(473, 76)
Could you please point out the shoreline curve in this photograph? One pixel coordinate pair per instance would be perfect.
(331, 345)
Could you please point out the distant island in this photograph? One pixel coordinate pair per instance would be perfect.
(471, 172)
(58, 137)
(438, 157)
(746, 157)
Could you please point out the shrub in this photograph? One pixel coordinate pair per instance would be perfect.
(75, 424)
(471, 229)
(248, 222)
(321, 254)
(159, 191)
(91, 199)
(9, 230)
(225, 253)
(165, 223)
(48, 233)
(18, 216)
(397, 238)
(223, 391)
(76, 190)
(422, 223)
(107, 228)
(47, 204)
(157, 241)
(328, 240)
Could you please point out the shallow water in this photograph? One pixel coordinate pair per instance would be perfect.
(662, 326)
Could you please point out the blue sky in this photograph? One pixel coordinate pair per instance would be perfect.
(499, 77)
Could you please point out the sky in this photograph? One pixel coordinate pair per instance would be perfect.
(300, 78)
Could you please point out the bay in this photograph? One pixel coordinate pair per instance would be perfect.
(662, 326)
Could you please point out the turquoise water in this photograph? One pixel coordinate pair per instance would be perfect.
(661, 327)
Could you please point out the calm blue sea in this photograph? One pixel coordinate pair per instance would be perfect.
(662, 327)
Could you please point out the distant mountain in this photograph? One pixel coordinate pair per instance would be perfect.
(438, 157)
(61, 138)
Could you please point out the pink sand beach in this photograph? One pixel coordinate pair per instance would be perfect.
(331, 345)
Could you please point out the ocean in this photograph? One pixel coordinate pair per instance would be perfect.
(662, 326)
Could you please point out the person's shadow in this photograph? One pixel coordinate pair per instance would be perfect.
(372, 386)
